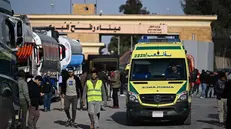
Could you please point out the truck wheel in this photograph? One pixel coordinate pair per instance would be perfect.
(188, 119)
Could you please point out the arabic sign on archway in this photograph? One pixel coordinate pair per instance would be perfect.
(112, 28)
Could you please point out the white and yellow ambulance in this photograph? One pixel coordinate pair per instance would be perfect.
(158, 85)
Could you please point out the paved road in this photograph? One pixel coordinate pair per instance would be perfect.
(204, 116)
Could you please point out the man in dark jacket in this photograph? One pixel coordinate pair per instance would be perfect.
(228, 94)
(220, 89)
(34, 92)
(103, 76)
(47, 90)
(212, 80)
(203, 79)
(71, 89)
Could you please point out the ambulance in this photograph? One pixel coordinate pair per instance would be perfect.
(158, 82)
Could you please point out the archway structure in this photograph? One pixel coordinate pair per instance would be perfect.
(89, 28)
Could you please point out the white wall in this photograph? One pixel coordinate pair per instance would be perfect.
(203, 53)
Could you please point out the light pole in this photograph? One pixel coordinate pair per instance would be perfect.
(168, 10)
(52, 6)
(70, 6)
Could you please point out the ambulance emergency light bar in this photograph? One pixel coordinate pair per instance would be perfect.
(160, 38)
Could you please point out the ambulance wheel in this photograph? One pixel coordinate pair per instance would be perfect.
(187, 121)
(130, 121)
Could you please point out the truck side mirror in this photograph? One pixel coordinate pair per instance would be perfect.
(19, 33)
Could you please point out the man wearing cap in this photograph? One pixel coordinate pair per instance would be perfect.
(35, 96)
(95, 92)
(71, 89)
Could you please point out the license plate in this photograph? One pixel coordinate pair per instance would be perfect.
(157, 114)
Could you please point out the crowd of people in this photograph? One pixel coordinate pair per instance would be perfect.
(214, 85)
(203, 83)
(91, 89)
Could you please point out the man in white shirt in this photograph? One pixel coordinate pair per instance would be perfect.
(71, 90)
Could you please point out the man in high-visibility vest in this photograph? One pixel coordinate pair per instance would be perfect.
(95, 92)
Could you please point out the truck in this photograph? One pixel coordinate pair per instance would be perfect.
(158, 82)
(10, 38)
(74, 57)
(49, 54)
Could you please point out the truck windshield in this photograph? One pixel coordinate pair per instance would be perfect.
(158, 69)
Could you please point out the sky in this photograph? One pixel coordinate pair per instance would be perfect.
(165, 7)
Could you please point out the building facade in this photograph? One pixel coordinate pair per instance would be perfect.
(88, 27)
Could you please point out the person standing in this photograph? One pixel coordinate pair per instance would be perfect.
(115, 84)
(228, 119)
(123, 82)
(35, 96)
(103, 77)
(194, 79)
(203, 86)
(47, 90)
(95, 92)
(83, 79)
(24, 98)
(64, 76)
(71, 90)
(221, 97)
(212, 83)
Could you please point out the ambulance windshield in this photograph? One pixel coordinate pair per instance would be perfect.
(158, 69)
